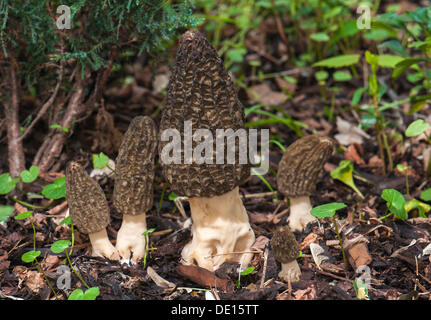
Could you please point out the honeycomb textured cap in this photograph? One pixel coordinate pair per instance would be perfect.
(134, 167)
(284, 245)
(87, 203)
(301, 164)
(201, 91)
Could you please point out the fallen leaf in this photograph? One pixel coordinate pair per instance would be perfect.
(263, 94)
(348, 133)
(306, 294)
(354, 153)
(35, 281)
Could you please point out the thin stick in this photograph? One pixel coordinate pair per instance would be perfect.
(228, 253)
(265, 263)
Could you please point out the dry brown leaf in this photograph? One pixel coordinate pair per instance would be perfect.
(310, 238)
(35, 281)
(263, 94)
(306, 294)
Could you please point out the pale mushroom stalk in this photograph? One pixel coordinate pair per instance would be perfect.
(89, 210)
(133, 189)
(286, 250)
(221, 231)
(201, 92)
(298, 172)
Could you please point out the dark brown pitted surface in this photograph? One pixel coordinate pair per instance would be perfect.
(87, 203)
(284, 245)
(201, 91)
(301, 163)
(134, 167)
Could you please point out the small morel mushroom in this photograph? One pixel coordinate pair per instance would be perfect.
(133, 189)
(286, 251)
(201, 95)
(89, 210)
(298, 172)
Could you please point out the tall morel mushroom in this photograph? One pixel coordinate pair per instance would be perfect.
(89, 210)
(133, 189)
(298, 172)
(201, 95)
(286, 251)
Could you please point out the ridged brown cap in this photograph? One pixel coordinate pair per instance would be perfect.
(284, 245)
(88, 208)
(134, 167)
(201, 91)
(301, 163)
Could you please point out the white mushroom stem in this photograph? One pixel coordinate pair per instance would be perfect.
(101, 245)
(300, 215)
(290, 272)
(131, 241)
(221, 232)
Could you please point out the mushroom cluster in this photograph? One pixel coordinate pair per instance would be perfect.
(201, 92)
(298, 172)
(133, 195)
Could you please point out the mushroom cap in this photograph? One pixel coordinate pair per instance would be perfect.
(201, 91)
(87, 203)
(284, 245)
(134, 167)
(301, 163)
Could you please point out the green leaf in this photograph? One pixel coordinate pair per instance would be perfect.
(24, 215)
(149, 231)
(100, 160)
(30, 256)
(30, 175)
(90, 294)
(342, 76)
(389, 61)
(67, 221)
(56, 190)
(344, 173)
(321, 75)
(402, 168)
(5, 213)
(358, 95)
(247, 271)
(395, 202)
(327, 210)
(57, 126)
(172, 196)
(426, 195)
(403, 65)
(416, 128)
(420, 206)
(60, 246)
(367, 121)
(7, 184)
(395, 46)
(320, 37)
(338, 61)
(236, 55)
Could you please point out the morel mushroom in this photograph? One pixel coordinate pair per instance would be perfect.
(298, 172)
(286, 251)
(89, 210)
(133, 189)
(201, 95)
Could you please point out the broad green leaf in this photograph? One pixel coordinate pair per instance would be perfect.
(358, 95)
(344, 173)
(420, 206)
(67, 221)
(402, 168)
(403, 65)
(389, 61)
(321, 75)
(57, 126)
(56, 190)
(30, 256)
(426, 195)
(7, 184)
(367, 121)
(100, 160)
(5, 213)
(416, 128)
(342, 76)
(60, 246)
(30, 175)
(338, 61)
(247, 271)
(395, 202)
(24, 215)
(90, 294)
(320, 37)
(172, 196)
(236, 55)
(327, 210)
(395, 46)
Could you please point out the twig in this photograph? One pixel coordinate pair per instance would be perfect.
(265, 263)
(229, 253)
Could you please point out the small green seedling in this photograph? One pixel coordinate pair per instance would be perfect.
(30, 175)
(31, 256)
(395, 203)
(426, 195)
(245, 272)
(89, 294)
(5, 213)
(100, 160)
(416, 128)
(326, 211)
(403, 169)
(146, 233)
(7, 184)
(344, 173)
(55, 190)
(361, 290)
(57, 126)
